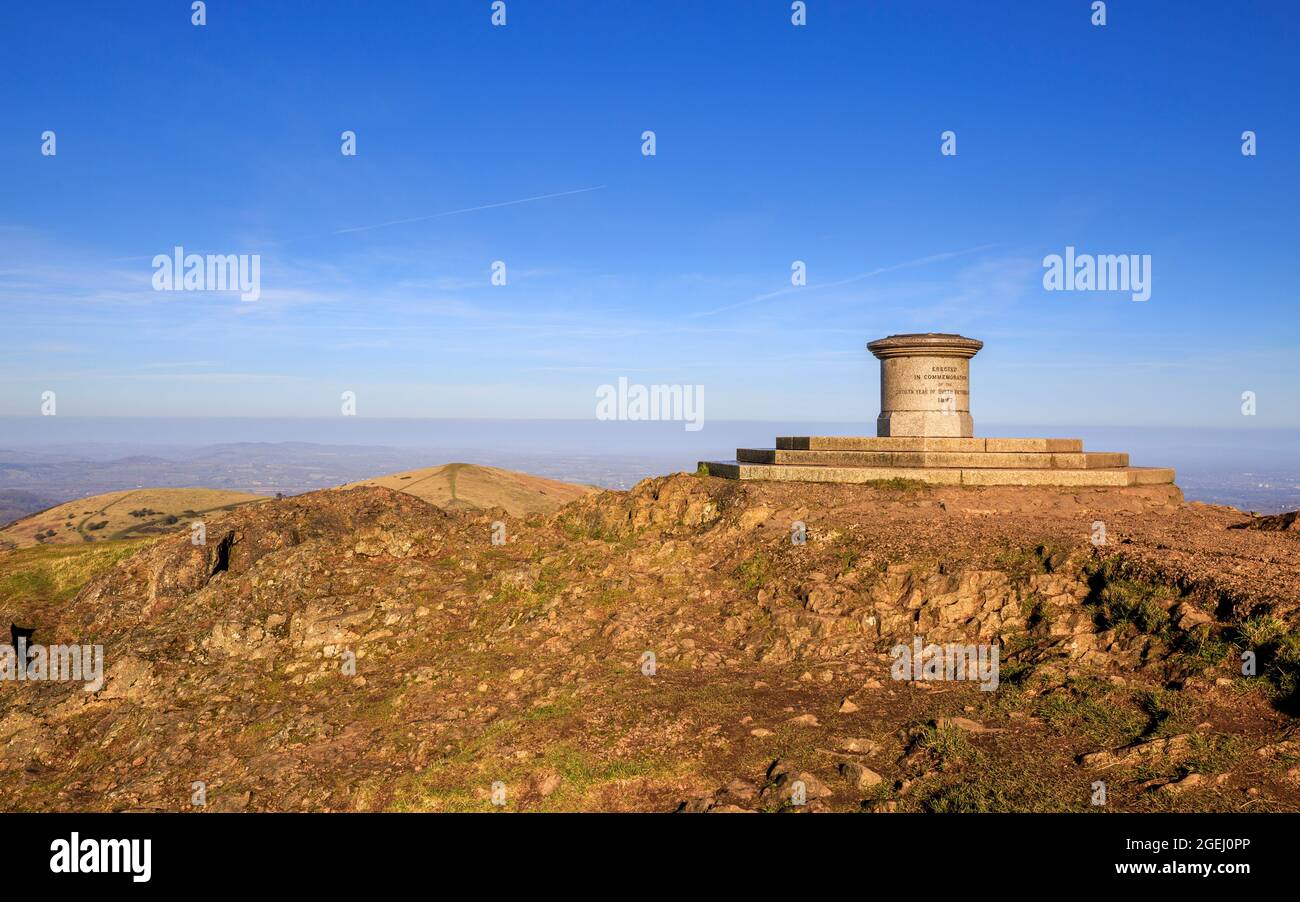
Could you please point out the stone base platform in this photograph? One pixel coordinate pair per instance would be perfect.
(1091, 460)
(925, 443)
(941, 461)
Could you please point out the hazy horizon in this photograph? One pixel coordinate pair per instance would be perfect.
(1257, 470)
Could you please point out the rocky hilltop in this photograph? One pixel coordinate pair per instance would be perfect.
(694, 644)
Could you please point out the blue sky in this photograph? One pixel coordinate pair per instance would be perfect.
(775, 143)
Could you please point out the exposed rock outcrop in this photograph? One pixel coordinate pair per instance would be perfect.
(361, 649)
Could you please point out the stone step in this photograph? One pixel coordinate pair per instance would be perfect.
(903, 443)
(1030, 460)
(972, 476)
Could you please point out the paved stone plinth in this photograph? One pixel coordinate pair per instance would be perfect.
(1089, 460)
(900, 443)
(925, 384)
(969, 476)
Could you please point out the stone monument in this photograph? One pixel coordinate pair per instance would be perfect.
(925, 384)
(925, 433)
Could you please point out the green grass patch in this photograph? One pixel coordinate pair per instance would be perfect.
(1277, 651)
(33, 578)
(1260, 631)
(1091, 707)
(1145, 607)
(754, 573)
(1166, 712)
(1204, 647)
(1214, 753)
(578, 528)
(549, 582)
(561, 707)
(1037, 611)
(1020, 563)
(947, 745)
(969, 798)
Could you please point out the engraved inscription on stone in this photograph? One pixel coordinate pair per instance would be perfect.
(925, 385)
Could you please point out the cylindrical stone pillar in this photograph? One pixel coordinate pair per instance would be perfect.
(925, 384)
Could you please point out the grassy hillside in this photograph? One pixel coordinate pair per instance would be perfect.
(36, 582)
(472, 487)
(121, 515)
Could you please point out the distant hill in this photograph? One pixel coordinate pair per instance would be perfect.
(121, 515)
(473, 487)
(138, 513)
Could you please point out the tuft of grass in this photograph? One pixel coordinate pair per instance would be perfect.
(449, 785)
(755, 572)
(1145, 607)
(947, 745)
(1287, 662)
(702, 470)
(508, 594)
(1278, 651)
(1214, 753)
(549, 582)
(1203, 647)
(1260, 631)
(1021, 563)
(611, 597)
(1166, 712)
(561, 707)
(1092, 707)
(968, 798)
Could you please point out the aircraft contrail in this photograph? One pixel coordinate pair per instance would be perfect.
(504, 203)
(381, 225)
(920, 261)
